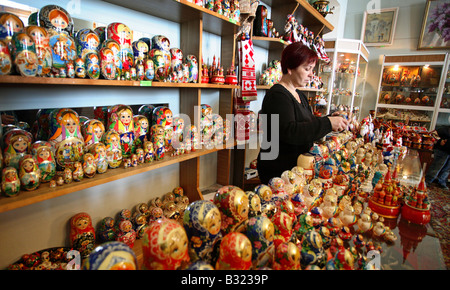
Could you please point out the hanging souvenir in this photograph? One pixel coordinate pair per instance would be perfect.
(121, 120)
(99, 151)
(5, 59)
(43, 51)
(9, 25)
(260, 232)
(165, 245)
(111, 256)
(82, 234)
(29, 173)
(64, 51)
(42, 151)
(113, 148)
(202, 223)
(92, 131)
(87, 41)
(17, 143)
(24, 52)
(235, 252)
(114, 46)
(233, 206)
(123, 35)
(55, 19)
(10, 181)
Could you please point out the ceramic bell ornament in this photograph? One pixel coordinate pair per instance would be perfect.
(5, 59)
(165, 245)
(111, 256)
(41, 40)
(202, 223)
(24, 54)
(10, 181)
(233, 206)
(17, 143)
(235, 252)
(82, 234)
(43, 153)
(113, 148)
(260, 232)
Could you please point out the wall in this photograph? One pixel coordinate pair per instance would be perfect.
(45, 224)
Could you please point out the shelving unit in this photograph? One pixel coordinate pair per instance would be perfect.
(443, 115)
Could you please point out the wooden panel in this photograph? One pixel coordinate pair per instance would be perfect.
(414, 58)
(224, 167)
(189, 178)
(330, 44)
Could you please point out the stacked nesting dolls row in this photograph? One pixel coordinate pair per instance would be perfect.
(63, 147)
(48, 47)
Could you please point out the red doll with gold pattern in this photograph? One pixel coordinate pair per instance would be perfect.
(233, 206)
(82, 233)
(235, 252)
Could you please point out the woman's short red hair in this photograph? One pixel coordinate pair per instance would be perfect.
(296, 54)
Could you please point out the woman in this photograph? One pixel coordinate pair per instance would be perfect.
(298, 128)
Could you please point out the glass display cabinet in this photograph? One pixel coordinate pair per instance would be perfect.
(410, 90)
(443, 115)
(344, 76)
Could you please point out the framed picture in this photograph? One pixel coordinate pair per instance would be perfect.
(435, 33)
(378, 27)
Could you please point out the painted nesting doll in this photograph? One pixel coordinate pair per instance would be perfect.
(149, 153)
(29, 173)
(195, 138)
(108, 67)
(283, 223)
(161, 46)
(105, 230)
(147, 111)
(141, 128)
(140, 50)
(99, 151)
(92, 65)
(254, 204)
(82, 234)
(233, 205)
(113, 148)
(123, 35)
(265, 194)
(80, 68)
(10, 181)
(93, 131)
(121, 120)
(165, 245)
(17, 143)
(287, 257)
(235, 252)
(176, 58)
(43, 124)
(89, 165)
(260, 232)
(24, 52)
(87, 41)
(202, 223)
(56, 19)
(41, 40)
(126, 233)
(5, 58)
(163, 116)
(111, 256)
(114, 46)
(64, 52)
(66, 137)
(9, 25)
(149, 69)
(43, 153)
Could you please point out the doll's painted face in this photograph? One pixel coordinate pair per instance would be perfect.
(11, 175)
(28, 166)
(98, 131)
(20, 145)
(212, 221)
(44, 154)
(38, 36)
(241, 204)
(82, 223)
(177, 243)
(58, 19)
(144, 124)
(70, 124)
(125, 117)
(12, 24)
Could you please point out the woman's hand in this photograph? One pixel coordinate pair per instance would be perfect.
(338, 123)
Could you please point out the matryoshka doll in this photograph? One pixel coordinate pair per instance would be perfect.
(163, 116)
(82, 234)
(287, 257)
(176, 58)
(149, 153)
(192, 62)
(29, 173)
(126, 233)
(140, 51)
(114, 46)
(121, 120)
(235, 252)
(5, 58)
(161, 46)
(77, 173)
(123, 35)
(283, 224)
(87, 41)
(149, 69)
(106, 231)
(254, 204)
(24, 52)
(233, 205)
(202, 223)
(99, 152)
(56, 19)
(141, 128)
(92, 64)
(260, 231)
(65, 136)
(10, 181)
(89, 165)
(10, 24)
(16, 144)
(80, 68)
(165, 245)
(43, 51)
(42, 119)
(93, 131)
(206, 125)
(43, 153)
(265, 195)
(108, 67)
(113, 148)
(111, 256)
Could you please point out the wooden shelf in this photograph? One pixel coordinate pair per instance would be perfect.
(406, 107)
(269, 42)
(21, 80)
(44, 192)
(182, 11)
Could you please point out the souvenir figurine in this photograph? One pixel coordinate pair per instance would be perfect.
(123, 35)
(41, 40)
(112, 46)
(161, 46)
(202, 224)
(5, 58)
(24, 54)
(60, 179)
(163, 116)
(155, 213)
(265, 195)
(233, 205)
(108, 67)
(140, 50)
(106, 231)
(149, 153)
(113, 148)
(10, 181)
(92, 64)
(192, 62)
(235, 252)
(98, 150)
(254, 204)
(140, 155)
(141, 128)
(89, 166)
(11, 24)
(77, 173)
(159, 147)
(45, 159)
(287, 257)
(283, 224)
(260, 23)
(149, 70)
(126, 233)
(55, 19)
(165, 245)
(312, 252)
(111, 256)
(121, 120)
(16, 144)
(260, 231)
(80, 68)
(93, 131)
(87, 41)
(64, 51)
(82, 234)
(158, 61)
(347, 216)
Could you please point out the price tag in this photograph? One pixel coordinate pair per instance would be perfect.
(145, 83)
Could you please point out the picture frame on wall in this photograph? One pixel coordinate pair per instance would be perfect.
(378, 28)
(435, 32)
